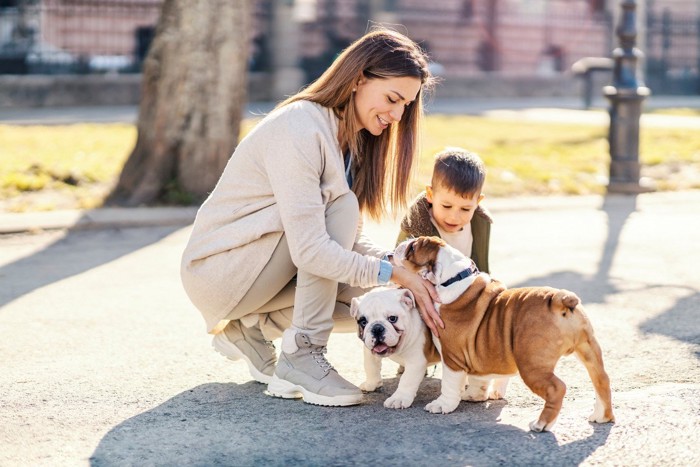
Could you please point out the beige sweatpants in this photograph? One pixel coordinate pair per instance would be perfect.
(283, 296)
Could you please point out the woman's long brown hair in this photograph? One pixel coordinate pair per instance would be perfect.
(383, 164)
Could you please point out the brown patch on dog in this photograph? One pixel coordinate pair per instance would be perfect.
(422, 252)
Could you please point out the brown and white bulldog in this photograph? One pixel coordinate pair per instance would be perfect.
(390, 326)
(491, 332)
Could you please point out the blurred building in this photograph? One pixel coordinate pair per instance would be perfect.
(75, 36)
(477, 46)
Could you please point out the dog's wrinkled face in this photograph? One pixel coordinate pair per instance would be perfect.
(382, 316)
(420, 255)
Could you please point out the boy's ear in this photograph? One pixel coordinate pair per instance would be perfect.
(429, 193)
(481, 196)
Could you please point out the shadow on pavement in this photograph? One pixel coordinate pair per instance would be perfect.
(73, 253)
(230, 424)
(681, 322)
(594, 289)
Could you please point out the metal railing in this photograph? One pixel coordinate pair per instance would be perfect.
(672, 50)
(75, 36)
(517, 37)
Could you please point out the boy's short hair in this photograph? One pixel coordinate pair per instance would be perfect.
(460, 171)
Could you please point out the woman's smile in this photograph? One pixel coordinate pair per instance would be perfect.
(380, 102)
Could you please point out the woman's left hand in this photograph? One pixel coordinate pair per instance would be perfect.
(424, 294)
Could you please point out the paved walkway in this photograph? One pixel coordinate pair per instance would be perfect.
(105, 362)
(548, 108)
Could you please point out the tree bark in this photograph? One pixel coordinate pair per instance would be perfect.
(192, 98)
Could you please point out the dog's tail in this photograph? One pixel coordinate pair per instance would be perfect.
(565, 301)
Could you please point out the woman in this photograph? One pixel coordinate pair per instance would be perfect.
(278, 245)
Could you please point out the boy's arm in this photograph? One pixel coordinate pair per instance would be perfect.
(481, 235)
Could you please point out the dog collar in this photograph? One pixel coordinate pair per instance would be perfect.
(470, 271)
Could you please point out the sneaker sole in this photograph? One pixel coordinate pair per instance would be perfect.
(287, 390)
(230, 351)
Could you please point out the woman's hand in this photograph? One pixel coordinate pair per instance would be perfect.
(424, 294)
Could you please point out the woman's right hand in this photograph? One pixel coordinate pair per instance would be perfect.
(424, 294)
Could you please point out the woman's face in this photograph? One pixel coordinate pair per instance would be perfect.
(379, 102)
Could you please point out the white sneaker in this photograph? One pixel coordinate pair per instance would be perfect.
(307, 374)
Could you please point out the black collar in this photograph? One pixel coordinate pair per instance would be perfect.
(470, 271)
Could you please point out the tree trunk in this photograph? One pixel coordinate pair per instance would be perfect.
(192, 98)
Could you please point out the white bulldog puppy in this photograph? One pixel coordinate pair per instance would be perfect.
(390, 326)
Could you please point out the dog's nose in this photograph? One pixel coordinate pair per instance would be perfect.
(377, 330)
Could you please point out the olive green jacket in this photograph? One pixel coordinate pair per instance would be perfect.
(417, 223)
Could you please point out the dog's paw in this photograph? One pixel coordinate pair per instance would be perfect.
(398, 401)
(471, 395)
(601, 418)
(536, 426)
(496, 395)
(498, 389)
(442, 405)
(539, 426)
(600, 414)
(371, 386)
(477, 391)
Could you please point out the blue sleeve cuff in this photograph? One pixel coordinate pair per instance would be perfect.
(385, 270)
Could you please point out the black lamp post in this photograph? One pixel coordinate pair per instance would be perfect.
(626, 95)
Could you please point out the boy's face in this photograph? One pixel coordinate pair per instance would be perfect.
(450, 210)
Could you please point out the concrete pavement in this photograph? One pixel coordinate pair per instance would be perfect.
(103, 218)
(105, 362)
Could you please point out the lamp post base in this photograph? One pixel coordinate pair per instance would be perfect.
(628, 188)
(623, 137)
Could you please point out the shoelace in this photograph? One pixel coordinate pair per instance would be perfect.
(318, 353)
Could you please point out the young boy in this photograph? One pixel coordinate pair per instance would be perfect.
(449, 208)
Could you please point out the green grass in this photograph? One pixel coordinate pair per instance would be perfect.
(681, 111)
(523, 158)
(75, 162)
(548, 158)
(75, 165)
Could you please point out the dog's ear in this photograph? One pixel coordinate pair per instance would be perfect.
(354, 311)
(431, 273)
(354, 306)
(407, 299)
